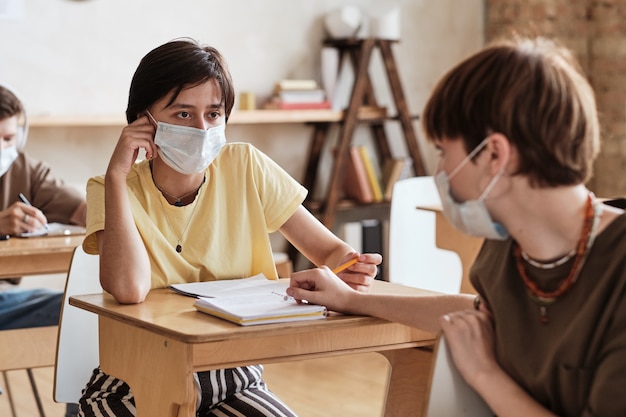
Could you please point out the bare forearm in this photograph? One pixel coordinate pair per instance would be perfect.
(422, 312)
(313, 240)
(506, 398)
(124, 264)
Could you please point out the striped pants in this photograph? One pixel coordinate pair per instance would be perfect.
(237, 392)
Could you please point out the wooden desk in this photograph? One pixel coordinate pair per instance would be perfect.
(37, 255)
(33, 347)
(449, 238)
(155, 347)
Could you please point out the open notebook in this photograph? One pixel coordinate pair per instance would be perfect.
(249, 301)
(56, 229)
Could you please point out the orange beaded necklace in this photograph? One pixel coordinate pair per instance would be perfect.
(545, 298)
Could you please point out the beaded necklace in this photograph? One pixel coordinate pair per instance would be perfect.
(548, 265)
(546, 298)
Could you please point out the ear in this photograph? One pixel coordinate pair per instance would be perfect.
(500, 151)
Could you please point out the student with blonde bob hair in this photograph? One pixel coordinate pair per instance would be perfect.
(517, 132)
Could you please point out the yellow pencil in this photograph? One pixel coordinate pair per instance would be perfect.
(345, 265)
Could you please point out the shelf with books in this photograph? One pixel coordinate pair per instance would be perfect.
(334, 209)
(364, 183)
(297, 95)
(366, 113)
(236, 117)
(359, 51)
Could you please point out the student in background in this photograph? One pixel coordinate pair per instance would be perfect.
(51, 200)
(517, 132)
(197, 209)
(48, 199)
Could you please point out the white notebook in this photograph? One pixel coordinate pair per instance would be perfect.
(56, 229)
(249, 301)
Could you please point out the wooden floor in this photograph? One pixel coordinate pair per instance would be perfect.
(352, 385)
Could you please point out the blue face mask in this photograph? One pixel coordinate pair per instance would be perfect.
(471, 216)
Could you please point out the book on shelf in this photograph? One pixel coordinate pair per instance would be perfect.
(295, 84)
(356, 183)
(297, 95)
(371, 173)
(278, 105)
(394, 169)
(249, 301)
(302, 96)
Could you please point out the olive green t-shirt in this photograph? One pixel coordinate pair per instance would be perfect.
(575, 365)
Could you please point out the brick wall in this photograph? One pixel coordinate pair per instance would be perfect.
(596, 32)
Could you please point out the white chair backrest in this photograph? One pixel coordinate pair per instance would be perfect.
(77, 345)
(414, 258)
(449, 394)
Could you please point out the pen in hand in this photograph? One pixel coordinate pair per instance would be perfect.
(25, 201)
(345, 265)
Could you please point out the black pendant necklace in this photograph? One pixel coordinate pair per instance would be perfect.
(178, 203)
(179, 247)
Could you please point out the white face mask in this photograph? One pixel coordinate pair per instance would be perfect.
(8, 155)
(188, 150)
(471, 216)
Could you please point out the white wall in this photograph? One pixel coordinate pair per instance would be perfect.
(75, 57)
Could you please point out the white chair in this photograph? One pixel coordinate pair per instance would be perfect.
(77, 344)
(449, 394)
(414, 258)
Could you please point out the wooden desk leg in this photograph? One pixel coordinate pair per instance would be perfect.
(158, 370)
(409, 380)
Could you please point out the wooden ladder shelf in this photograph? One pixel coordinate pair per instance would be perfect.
(359, 51)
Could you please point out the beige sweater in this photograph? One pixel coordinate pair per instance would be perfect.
(34, 179)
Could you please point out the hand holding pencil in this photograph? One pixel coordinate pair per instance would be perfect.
(333, 287)
(359, 271)
(345, 265)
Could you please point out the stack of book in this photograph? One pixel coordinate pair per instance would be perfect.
(298, 95)
(363, 183)
(249, 301)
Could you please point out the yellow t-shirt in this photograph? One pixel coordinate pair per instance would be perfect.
(224, 233)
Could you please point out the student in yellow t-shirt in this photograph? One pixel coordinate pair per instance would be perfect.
(197, 209)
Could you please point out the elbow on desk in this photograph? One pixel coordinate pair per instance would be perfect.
(126, 294)
(128, 297)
